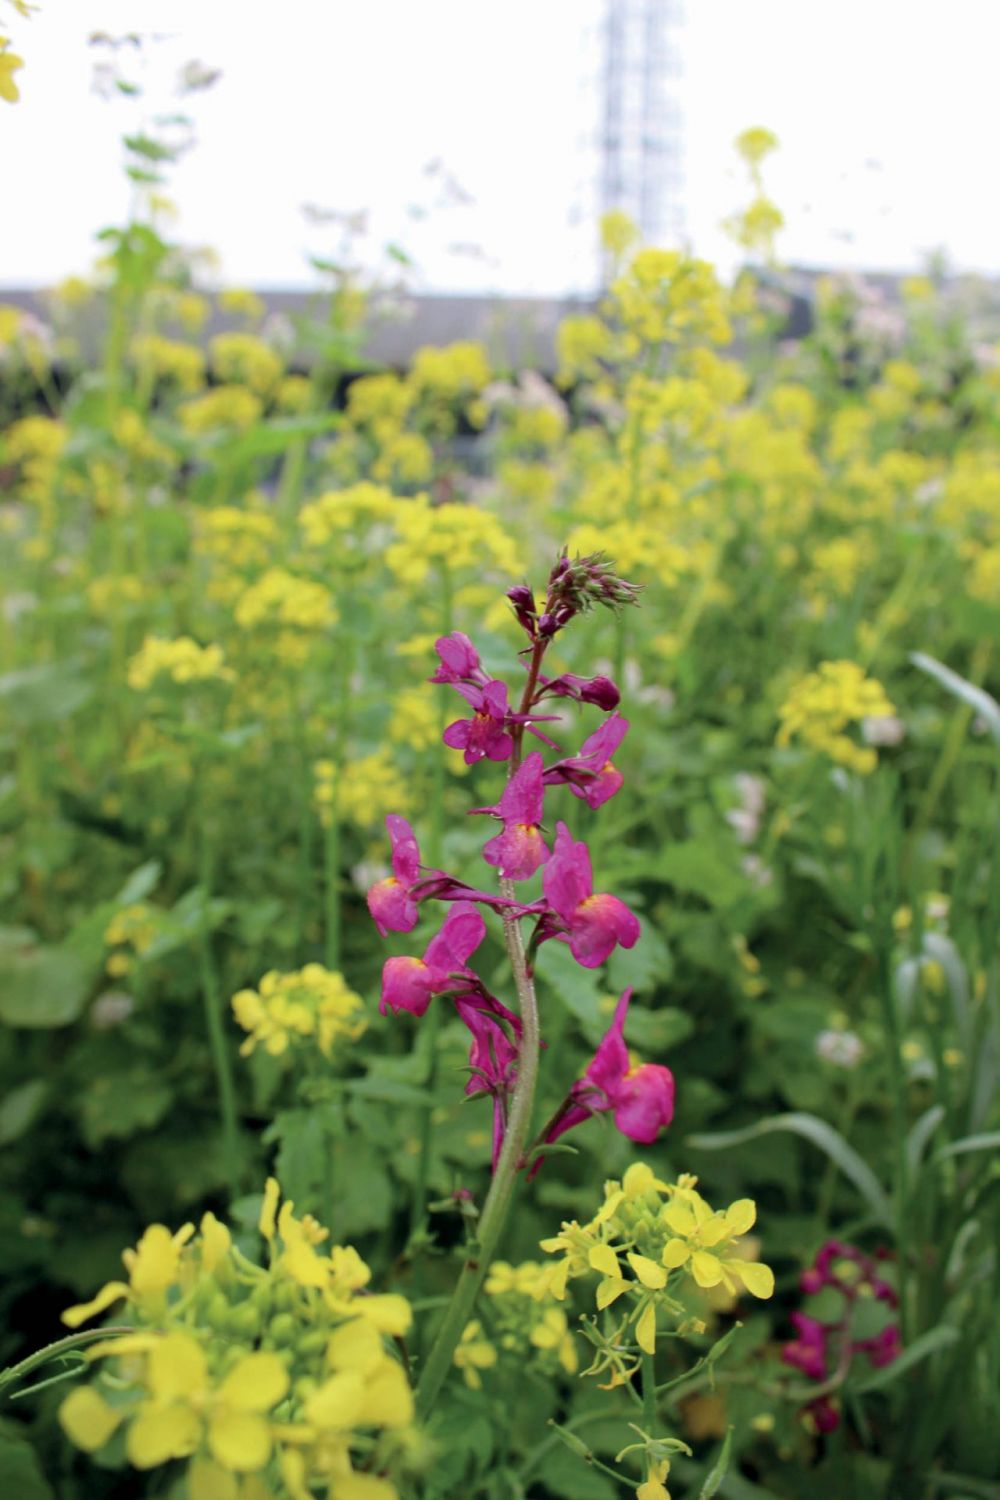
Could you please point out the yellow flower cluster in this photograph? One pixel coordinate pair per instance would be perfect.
(247, 360)
(225, 406)
(645, 1232)
(526, 1324)
(453, 373)
(363, 792)
(822, 705)
(181, 659)
(183, 365)
(344, 516)
(416, 718)
(665, 296)
(283, 600)
(113, 592)
(267, 1380)
(311, 1005)
(238, 536)
(449, 538)
(131, 932)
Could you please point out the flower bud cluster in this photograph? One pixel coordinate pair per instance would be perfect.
(524, 1323)
(646, 1240)
(311, 1006)
(276, 1377)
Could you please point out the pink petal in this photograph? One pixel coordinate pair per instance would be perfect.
(405, 849)
(392, 906)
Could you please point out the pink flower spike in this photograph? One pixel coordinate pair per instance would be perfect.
(484, 734)
(409, 983)
(390, 900)
(459, 660)
(591, 774)
(641, 1097)
(594, 924)
(519, 849)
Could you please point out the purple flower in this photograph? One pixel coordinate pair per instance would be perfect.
(485, 733)
(591, 774)
(409, 983)
(459, 660)
(807, 1352)
(641, 1097)
(600, 691)
(390, 901)
(519, 849)
(593, 923)
(492, 1056)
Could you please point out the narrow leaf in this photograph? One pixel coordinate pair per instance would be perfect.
(813, 1129)
(974, 697)
(717, 1472)
(928, 1343)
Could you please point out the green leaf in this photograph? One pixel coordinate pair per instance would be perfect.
(20, 1108)
(976, 698)
(928, 1343)
(580, 990)
(820, 1134)
(119, 1105)
(701, 870)
(20, 1472)
(44, 695)
(920, 1135)
(40, 987)
(140, 884)
(988, 1141)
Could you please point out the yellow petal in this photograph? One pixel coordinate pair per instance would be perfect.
(355, 1346)
(215, 1242)
(603, 1258)
(124, 1343)
(177, 1367)
(648, 1272)
(713, 1231)
(741, 1215)
(87, 1419)
(758, 1279)
(209, 1481)
(609, 1290)
(74, 1316)
(293, 1472)
(706, 1269)
(607, 1209)
(679, 1218)
(389, 1312)
(240, 1440)
(364, 1487)
(269, 1209)
(675, 1253)
(336, 1404)
(388, 1400)
(159, 1433)
(558, 1280)
(645, 1329)
(256, 1383)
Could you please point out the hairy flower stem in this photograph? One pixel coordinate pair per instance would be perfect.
(649, 1400)
(418, 1207)
(501, 1192)
(214, 1025)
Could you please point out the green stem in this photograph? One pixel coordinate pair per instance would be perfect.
(14, 1374)
(212, 998)
(649, 1400)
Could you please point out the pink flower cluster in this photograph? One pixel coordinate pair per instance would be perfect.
(569, 910)
(824, 1351)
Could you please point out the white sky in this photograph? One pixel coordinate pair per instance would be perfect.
(886, 110)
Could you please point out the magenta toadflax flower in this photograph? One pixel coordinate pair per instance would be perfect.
(600, 691)
(492, 1056)
(591, 774)
(459, 660)
(409, 983)
(519, 849)
(391, 901)
(641, 1097)
(485, 734)
(591, 924)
